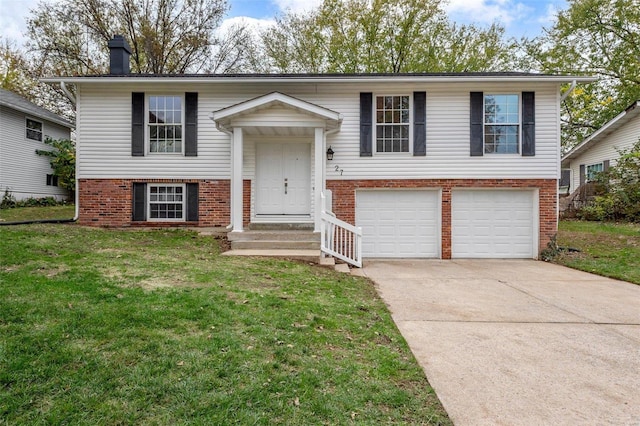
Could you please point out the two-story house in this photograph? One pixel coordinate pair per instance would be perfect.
(428, 165)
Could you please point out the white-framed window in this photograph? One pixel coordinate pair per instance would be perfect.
(592, 171)
(166, 202)
(164, 123)
(502, 124)
(34, 129)
(393, 123)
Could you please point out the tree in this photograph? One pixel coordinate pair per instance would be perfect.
(599, 38)
(69, 37)
(63, 162)
(387, 36)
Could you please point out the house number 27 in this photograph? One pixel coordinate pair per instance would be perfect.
(338, 169)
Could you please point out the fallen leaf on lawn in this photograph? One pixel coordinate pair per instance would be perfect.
(70, 306)
(353, 415)
(180, 363)
(296, 402)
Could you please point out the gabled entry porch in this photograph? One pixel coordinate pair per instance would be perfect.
(278, 144)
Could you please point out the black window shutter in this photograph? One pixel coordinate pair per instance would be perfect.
(137, 124)
(528, 124)
(605, 165)
(139, 202)
(583, 175)
(477, 111)
(192, 202)
(366, 125)
(419, 123)
(191, 124)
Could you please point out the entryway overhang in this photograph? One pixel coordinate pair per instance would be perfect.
(254, 117)
(276, 115)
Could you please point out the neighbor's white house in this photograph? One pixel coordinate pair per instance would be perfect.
(427, 165)
(23, 128)
(602, 148)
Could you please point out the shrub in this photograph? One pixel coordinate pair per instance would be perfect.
(63, 162)
(620, 197)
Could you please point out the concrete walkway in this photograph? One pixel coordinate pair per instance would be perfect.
(511, 342)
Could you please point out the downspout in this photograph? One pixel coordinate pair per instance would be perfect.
(568, 92)
(73, 100)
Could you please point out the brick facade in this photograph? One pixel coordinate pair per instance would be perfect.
(108, 202)
(344, 199)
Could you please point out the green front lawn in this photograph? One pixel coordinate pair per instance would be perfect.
(155, 327)
(609, 249)
(22, 214)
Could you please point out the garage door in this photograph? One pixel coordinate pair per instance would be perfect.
(493, 224)
(399, 223)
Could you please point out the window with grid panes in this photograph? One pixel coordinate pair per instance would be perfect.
(34, 130)
(165, 124)
(392, 123)
(501, 124)
(166, 202)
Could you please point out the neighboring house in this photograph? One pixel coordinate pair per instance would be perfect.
(601, 149)
(428, 165)
(23, 128)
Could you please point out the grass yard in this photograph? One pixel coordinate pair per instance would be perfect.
(22, 214)
(154, 327)
(609, 249)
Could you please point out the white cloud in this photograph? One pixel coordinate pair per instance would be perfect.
(487, 11)
(297, 6)
(551, 13)
(254, 24)
(13, 24)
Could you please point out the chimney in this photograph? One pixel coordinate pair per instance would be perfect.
(119, 55)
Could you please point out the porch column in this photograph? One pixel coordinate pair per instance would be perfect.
(236, 180)
(317, 176)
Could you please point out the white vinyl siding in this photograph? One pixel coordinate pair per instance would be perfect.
(399, 223)
(105, 137)
(22, 171)
(493, 223)
(606, 149)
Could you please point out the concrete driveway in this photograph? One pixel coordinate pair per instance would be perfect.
(519, 342)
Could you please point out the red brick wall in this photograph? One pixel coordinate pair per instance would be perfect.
(344, 199)
(107, 202)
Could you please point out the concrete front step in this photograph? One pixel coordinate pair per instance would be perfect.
(303, 226)
(272, 235)
(274, 240)
(275, 245)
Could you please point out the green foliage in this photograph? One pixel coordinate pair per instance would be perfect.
(620, 198)
(91, 334)
(604, 248)
(597, 38)
(8, 200)
(63, 162)
(385, 36)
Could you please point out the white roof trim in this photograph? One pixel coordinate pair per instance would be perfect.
(224, 116)
(221, 79)
(604, 131)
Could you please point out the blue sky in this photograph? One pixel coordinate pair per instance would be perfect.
(519, 17)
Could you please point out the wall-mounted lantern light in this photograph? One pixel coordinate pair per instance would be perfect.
(329, 153)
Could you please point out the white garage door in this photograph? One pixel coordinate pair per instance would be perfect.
(493, 224)
(399, 223)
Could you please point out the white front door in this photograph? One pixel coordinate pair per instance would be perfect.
(283, 179)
